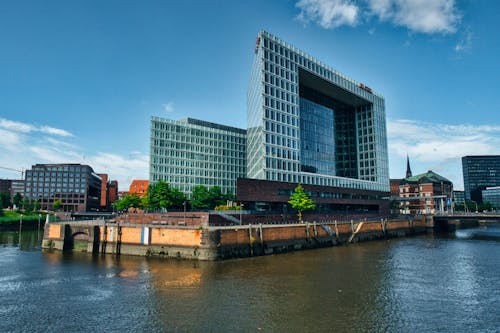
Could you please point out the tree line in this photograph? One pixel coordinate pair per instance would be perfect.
(19, 202)
(162, 196)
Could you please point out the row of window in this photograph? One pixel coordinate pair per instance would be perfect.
(58, 168)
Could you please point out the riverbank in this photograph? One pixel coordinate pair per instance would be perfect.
(10, 220)
(217, 243)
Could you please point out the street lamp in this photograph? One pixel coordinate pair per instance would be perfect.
(241, 213)
(184, 204)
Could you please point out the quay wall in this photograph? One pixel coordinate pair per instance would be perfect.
(213, 243)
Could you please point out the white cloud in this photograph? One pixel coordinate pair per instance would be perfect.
(465, 43)
(168, 107)
(439, 147)
(123, 169)
(426, 16)
(17, 126)
(54, 131)
(22, 145)
(328, 13)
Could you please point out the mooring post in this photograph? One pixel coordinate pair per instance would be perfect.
(250, 239)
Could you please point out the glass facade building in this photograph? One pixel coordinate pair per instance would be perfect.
(492, 195)
(479, 173)
(77, 186)
(310, 124)
(190, 152)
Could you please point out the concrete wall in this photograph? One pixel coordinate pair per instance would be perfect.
(216, 242)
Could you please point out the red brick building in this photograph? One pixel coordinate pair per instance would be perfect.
(427, 193)
(139, 187)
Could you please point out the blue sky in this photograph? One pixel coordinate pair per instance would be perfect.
(79, 80)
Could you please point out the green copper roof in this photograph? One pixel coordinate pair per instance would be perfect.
(428, 177)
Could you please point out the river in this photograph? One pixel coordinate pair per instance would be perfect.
(430, 283)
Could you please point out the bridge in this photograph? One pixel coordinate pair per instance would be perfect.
(450, 222)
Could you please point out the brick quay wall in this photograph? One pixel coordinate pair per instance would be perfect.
(199, 241)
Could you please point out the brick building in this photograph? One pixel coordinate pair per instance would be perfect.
(139, 186)
(427, 193)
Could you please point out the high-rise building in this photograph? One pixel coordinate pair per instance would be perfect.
(310, 124)
(190, 152)
(77, 186)
(479, 173)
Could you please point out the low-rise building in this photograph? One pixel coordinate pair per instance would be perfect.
(427, 193)
(139, 186)
(492, 195)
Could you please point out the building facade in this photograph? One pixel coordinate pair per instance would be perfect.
(77, 186)
(310, 124)
(139, 187)
(109, 192)
(459, 197)
(190, 152)
(479, 173)
(492, 195)
(427, 193)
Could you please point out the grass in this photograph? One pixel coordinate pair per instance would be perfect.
(12, 216)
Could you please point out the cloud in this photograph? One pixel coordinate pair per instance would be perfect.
(423, 16)
(465, 43)
(124, 169)
(23, 145)
(426, 16)
(168, 107)
(438, 147)
(328, 13)
(16, 126)
(54, 131)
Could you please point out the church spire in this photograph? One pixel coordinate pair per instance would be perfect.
(408, 169)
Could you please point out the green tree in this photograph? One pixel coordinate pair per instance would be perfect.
(36, 205)
(300, 201)
(27, 205)
(17, 200)
(162, 196)
(5, 199)
(129, 201)
(200, 197)
(57, 205)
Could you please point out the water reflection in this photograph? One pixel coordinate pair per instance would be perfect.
(428, 284)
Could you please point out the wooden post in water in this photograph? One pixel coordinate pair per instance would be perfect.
(20, 229)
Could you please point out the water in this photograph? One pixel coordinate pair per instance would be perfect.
(421, 284)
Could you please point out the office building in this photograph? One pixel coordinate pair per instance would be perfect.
(190, 152)
(479, 173)
(459, 197)
(310, 124)
(492, 195)
(77, 186)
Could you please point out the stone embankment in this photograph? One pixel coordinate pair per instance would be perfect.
(199, 241)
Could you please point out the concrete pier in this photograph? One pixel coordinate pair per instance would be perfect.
(215, 243)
